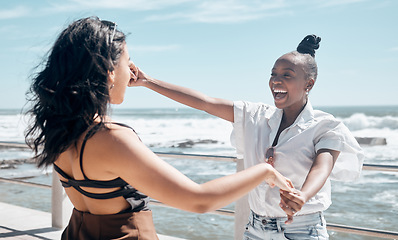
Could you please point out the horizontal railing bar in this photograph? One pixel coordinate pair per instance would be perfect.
(362, 231)
(21, 182)
(198, 156)
(13, 145)
(221, 211)
(379, 167)
(366, 166)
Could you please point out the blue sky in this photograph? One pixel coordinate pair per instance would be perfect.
(224, 48)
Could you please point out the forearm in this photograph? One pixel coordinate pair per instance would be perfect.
(319, 173)
(315, 180)
(222, 191)
(218, 107)
(187, 195)
(180, 94)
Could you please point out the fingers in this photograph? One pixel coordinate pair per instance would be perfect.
(289, 182)
(289, 212)
(289, 219)
(133, 76)
(136, 75)
(133, 73)
(287, 186)
(133, 68)
(288, 208)
(294, 206)
(281, 181)
(294, 197)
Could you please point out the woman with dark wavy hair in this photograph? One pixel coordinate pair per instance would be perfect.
(306, 145)
(107, 172)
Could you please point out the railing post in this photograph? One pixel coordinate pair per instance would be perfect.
(242, 209)
(61, 207)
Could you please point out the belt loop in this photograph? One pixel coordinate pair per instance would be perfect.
(253, 216)
(321, 218)
(278, 224)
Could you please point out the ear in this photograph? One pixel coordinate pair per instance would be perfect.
(111, 77)
(310, 84)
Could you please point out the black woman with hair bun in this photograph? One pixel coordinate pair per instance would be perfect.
(107, 172)
(308, 146)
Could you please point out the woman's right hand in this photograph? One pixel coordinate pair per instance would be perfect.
(277, 179)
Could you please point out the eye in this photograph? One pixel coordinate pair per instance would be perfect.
(287, 75)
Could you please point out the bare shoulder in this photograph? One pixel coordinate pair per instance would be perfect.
(122, 154)
(116, 137)
(113, 146)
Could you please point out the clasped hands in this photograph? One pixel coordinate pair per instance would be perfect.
(291, 203)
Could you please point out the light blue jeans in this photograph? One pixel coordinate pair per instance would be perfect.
(311, 226)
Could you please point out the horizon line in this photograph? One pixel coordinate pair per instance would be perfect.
(186, 107)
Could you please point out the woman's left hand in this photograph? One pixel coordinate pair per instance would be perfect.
(292, 202)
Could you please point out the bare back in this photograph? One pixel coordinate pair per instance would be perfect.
(95, 159)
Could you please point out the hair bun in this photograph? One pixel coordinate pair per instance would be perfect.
(309, 44)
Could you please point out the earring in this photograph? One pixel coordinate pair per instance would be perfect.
(111, 86)
(307, 91)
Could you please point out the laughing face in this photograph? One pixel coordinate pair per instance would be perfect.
(289, 83)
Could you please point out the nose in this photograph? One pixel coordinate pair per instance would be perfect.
(275, 80)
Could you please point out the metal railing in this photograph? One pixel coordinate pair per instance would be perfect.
(330, 226)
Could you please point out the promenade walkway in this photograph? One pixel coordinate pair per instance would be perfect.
(29, 224)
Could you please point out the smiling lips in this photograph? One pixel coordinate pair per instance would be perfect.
(278, 93)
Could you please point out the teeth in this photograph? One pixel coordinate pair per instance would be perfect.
(279, 91)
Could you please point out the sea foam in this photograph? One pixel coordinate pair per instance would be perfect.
(359, 121)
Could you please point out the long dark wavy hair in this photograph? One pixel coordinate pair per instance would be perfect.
(72, 88)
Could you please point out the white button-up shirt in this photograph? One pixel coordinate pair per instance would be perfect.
(254, 130)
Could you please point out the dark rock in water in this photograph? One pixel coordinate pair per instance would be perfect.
(7, 166)
(190, 143)
(372, 141)
(12, 164)
(185, 144)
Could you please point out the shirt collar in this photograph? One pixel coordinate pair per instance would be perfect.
(303, 120)
(306, 117)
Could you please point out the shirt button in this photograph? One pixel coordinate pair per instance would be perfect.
(264, 222)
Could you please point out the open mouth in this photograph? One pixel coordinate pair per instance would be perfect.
(279, 94)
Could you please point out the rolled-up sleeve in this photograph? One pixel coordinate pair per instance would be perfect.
(349, 163)
(237, 135)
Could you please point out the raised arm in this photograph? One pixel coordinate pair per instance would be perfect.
(215, 106)
(140, 167)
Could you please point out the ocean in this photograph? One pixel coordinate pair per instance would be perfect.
(370, 202)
